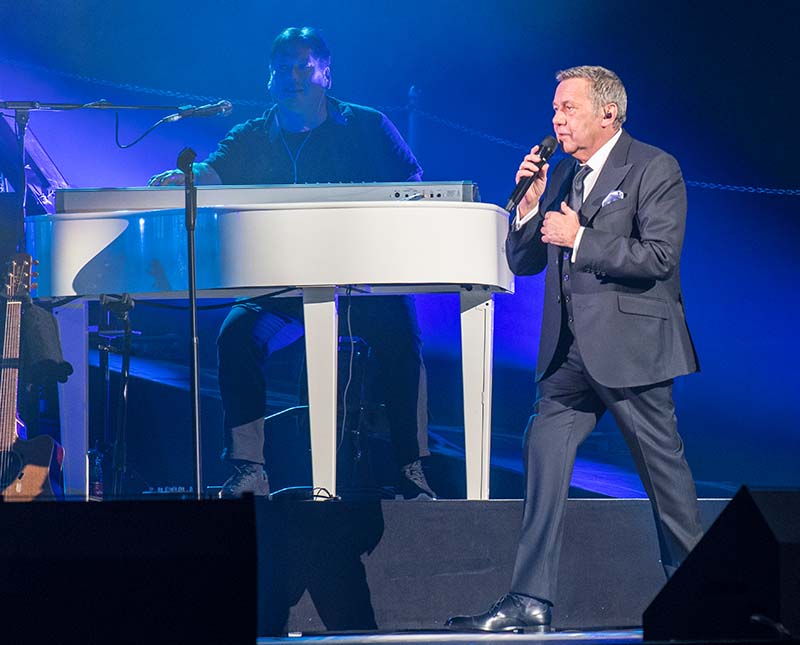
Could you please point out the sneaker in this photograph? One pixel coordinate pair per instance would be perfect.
(413, 484)
(248, 477)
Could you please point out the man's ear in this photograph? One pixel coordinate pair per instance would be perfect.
(326, 73)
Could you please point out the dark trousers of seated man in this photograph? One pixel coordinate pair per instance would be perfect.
(253, 331)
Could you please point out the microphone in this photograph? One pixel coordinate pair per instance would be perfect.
(221, 108)
(546, 149)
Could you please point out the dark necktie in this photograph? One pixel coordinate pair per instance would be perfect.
(575, 200)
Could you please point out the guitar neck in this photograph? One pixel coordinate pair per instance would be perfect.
(9, 375)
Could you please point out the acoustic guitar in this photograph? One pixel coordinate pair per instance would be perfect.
(25, 466)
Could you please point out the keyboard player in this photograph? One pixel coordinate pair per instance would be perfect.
(310, 137)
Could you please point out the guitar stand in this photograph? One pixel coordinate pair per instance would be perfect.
(117, 446)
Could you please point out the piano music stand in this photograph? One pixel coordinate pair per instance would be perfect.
(39, 180)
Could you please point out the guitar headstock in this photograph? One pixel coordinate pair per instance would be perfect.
(19, 277)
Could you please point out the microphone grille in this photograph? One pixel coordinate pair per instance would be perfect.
(547, 147)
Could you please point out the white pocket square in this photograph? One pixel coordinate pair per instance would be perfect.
(612, 197)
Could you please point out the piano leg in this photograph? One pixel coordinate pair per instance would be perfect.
(73, 397)
(477, 329)
(322, 343)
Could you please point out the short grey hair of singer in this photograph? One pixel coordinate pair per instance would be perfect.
(604, 88)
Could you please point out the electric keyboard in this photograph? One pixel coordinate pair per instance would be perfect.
(77, 200)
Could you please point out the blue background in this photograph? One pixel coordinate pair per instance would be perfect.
(714, 83)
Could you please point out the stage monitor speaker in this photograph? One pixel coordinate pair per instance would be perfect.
(165, 571)
(741, 581)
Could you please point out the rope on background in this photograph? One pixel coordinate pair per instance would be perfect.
(794, 192)
(199, 98)
(472, 132)
(138, 89)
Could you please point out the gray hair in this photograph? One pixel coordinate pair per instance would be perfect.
(604, 87)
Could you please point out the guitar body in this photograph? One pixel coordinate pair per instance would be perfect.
(25, 470)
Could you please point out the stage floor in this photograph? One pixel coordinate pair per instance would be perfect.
(573, 637)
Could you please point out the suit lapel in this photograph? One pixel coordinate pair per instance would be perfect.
(563, 182)
(614, 171)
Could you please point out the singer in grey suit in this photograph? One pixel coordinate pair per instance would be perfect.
(607, 228)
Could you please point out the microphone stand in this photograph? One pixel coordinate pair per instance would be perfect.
(186, 164)
(120, 308)
(21, 117)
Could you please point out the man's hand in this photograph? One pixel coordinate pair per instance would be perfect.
(529, 168)
(561, 228)
(168, 178)
(204, 175)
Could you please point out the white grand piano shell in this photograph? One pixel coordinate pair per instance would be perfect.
(419, 245)
(245, 249)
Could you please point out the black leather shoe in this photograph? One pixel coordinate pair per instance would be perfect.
(512, 613)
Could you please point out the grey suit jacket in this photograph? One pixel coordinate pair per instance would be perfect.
(626, 296)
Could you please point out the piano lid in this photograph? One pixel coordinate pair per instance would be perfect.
(43, 177)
